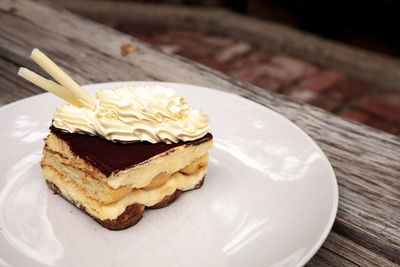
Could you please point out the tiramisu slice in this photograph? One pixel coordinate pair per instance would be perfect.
(128, 149)
(114, 182)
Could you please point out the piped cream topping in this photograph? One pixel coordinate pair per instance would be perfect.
(136, 113)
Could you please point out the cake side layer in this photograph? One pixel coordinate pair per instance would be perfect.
(131, 216)
(101, 153)
(140, 176)
(99, 189)
(75, 194)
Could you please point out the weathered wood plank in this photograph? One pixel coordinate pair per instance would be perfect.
(341, 248)
(13, 88)
(325, 257)
(366, 161)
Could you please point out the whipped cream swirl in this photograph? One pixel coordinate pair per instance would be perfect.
(133, 114)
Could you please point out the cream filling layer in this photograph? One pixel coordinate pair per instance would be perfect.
(141, 175)
(72, 192)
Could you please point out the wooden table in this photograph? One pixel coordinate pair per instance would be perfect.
(366, 161)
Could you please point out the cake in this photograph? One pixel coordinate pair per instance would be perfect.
(128, 149)
(115, 182)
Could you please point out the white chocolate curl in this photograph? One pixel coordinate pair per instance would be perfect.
(134, 114)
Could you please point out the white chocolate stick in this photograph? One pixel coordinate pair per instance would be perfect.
(49, 86)
(59, 75)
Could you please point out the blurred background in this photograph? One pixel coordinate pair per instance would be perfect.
(369, 24)
(339, 55)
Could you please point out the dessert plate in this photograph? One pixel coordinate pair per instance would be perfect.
(269, 199)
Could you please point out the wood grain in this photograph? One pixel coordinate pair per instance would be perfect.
(340, 251)
(366, 161)
(12, 87)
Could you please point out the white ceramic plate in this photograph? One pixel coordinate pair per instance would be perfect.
(269, 199)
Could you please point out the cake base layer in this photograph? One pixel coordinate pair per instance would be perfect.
(132, 214)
